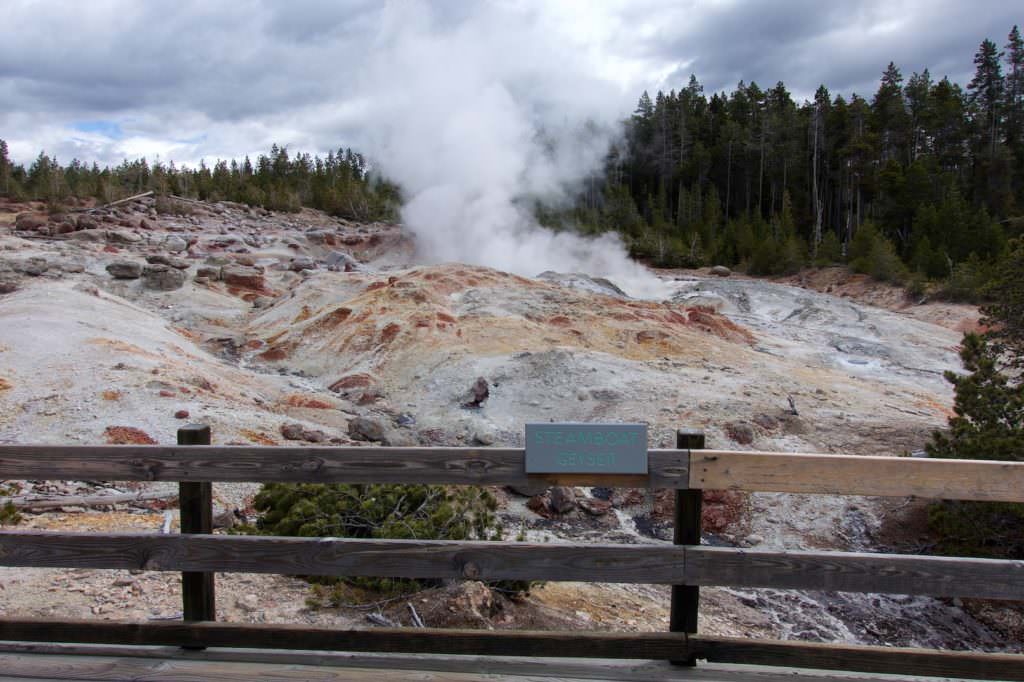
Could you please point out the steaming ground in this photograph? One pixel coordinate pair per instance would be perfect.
(270, 341)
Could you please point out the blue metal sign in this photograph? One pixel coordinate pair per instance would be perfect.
(586, 448)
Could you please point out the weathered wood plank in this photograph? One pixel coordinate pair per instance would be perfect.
(198, 590)
(856, 572)
(868, 659)
(480, 466)
(345, 556)
(954, 479)
(656, 646)
(517, 668)
(388, 640)
(656, 564)
(94, 668)
(367, 667)
(491, 666)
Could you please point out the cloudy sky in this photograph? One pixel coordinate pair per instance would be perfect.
(189, 79)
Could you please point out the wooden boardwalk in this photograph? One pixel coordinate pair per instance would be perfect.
(106, 650)
(162, 664)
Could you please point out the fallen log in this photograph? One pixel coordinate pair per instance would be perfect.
(43, 502)
(114, 203)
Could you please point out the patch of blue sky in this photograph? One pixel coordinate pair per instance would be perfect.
(109, 129)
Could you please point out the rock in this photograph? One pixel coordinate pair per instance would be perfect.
(766, 422)
(322, 237)
(162, 278)
(562, 499)
(249, 603)
(90, 235)
(337, 261)
(538, 504)
(484, 436)
(366, 429)
(400, 438)
(576, 280)
(302, 263)
(595, 507)
(740, 432)
(351, 381)
(73, 268)
(292, 431)
(121, 237)
(29, 222)
(244, 276)
(201, 280)
(209, 272)
(146, 224)
(124, 269)
(62, 227)
(224, 518)
(477, 394)
(87, 222)
(175, 244)
(172, 261)
(720, 271)
(181, 414)
(33, 267)
(8, 286)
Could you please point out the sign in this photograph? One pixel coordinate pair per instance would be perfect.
(586, 448)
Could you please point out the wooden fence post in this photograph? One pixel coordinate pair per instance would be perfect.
(195, 500)
(686, 598)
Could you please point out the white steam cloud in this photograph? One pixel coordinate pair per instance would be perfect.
(471, 118)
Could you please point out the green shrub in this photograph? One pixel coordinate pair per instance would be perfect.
(412, 512)
(988, 424)
(874, 255)
(968, 281)
(830, 250)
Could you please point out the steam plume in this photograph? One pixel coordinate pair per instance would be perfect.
(471, 118)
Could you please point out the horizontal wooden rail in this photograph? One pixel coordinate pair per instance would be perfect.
(856, 572)
(709, 469)
(656, 646)
(657, 564)
(475, 466)
(345, 557)
(953, 479)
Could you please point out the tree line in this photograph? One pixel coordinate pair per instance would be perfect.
(926, 177)
(340, 183)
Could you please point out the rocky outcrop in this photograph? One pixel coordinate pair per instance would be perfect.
(244, 276)
(162, 278)
(124, 269)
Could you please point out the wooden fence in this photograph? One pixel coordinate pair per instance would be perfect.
(686, 565)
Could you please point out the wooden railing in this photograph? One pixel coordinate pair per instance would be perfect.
(686, 565)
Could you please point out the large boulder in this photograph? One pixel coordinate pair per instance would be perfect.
(33, 267)
(125, 269)
(172, 261)
(337, 261)
(366, 429)
(87, 222)
(162, 278)
(300, 263)
(122, 237)
(175, 244)
(242, 276)
(477, 394)
(30, 222)
(720, 271)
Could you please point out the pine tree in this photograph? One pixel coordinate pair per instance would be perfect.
(5, 170)
(986, 89)
(1005, 314)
